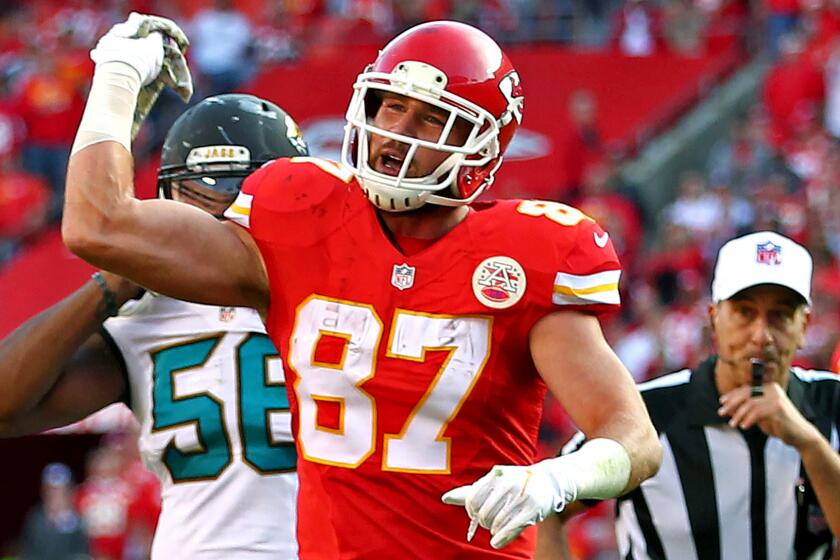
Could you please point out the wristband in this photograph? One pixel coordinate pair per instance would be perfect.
(109, 112)
(600, 469)
(108, 297)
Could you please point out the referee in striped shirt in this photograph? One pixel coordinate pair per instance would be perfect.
(750, 467)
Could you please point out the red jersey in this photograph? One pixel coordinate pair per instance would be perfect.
(51, 107)
(103, 505)
(410, 375)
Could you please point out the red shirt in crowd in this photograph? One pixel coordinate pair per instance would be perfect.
(783, 7)
(789, 86)
(103, 504)
(51, 107)
(120, 511)
(24, 200)
(579, 148)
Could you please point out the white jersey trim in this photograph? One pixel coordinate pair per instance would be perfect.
(671, 380)
(573, 289)
(240, 210)
(814, 375)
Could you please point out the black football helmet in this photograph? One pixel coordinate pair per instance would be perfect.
(215, 144)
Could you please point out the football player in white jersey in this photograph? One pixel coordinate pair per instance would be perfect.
(205, 382)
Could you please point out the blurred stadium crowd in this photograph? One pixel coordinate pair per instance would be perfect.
(777, 168)
(110, 515)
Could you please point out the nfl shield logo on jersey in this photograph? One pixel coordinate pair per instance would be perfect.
(768, 253)
(226, 314)
(403, 276)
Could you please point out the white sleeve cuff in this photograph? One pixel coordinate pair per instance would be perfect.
(109, 111)
(600, 469)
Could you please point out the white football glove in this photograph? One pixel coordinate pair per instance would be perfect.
(123, 44)
(154, 47)
(509, 499)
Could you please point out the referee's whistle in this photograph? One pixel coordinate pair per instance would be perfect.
(757, 387)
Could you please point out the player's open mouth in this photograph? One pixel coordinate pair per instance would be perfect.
(389, 164)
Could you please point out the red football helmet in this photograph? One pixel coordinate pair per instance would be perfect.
(452, 66)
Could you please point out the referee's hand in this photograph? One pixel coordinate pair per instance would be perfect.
(772, 412)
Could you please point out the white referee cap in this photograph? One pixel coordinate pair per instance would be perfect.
(764, 257)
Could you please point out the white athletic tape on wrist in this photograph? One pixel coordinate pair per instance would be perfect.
(600, 469)
(109, 111)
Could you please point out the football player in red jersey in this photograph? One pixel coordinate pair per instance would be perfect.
(420, 328)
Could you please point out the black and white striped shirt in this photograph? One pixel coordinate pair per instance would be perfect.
(722, 493)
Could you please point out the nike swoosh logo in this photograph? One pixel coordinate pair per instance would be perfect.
(601, 240)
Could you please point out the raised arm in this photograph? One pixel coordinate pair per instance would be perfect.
(56, 368)
(163, 245)
(166, 246)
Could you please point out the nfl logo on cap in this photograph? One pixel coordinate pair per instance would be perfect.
(768, 253)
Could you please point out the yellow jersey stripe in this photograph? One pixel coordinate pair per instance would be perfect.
(239, 209)
(567, 291)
